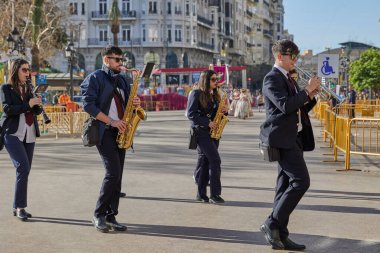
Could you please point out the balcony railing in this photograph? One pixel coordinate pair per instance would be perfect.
(248, 29)
(249, 13)
(214, 3)
(205, 20)
(205, 45)
(97, 41)
(98, 14)
(128, 14)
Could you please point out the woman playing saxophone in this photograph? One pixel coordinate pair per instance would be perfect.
(202, 108)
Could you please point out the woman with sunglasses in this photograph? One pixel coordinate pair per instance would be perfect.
(202, 107)
(19, 123)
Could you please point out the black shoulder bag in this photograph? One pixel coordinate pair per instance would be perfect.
(270, 154)
(193, 138)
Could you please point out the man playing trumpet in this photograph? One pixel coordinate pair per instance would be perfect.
(288, 128)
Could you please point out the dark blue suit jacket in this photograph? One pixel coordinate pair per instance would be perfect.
(199, 116)
(97, 91)
(13, 106)
(282, 107)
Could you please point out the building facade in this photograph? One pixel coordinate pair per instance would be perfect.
(176, 33)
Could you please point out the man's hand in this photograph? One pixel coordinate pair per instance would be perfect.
(313, 84)
(136, 101)
(121, 125)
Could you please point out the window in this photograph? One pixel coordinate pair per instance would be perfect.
(103, 7)
(103, 33)
(126, 33)
(143, 33)
(187, 9)
(177, 9)
(152, 7)
(169, 8)
(73, 8)
(126, 6)
(153, 33)
(169, 38)
(178, 33)
(83, 9)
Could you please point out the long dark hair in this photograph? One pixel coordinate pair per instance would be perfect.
(207, 95)
(13, 75)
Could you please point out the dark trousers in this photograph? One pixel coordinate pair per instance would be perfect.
(209, 164)
(292, 182)
(113, 160)
(21, 154)
(202, 161)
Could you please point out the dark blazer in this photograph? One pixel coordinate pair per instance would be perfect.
(97, 91)
(280, 128)
(199, 116)
(13, 106)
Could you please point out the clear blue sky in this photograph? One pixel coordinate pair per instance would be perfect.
(317, 24)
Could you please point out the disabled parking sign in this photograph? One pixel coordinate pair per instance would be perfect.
(328, 65)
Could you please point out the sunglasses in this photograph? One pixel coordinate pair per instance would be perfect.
(213, 79)
(293, 56)
(25, 70)
(117, 59)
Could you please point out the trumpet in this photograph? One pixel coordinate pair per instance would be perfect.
(44, 115)
(325, 92)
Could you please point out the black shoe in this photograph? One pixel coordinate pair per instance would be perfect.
(29, 215)
(100, 224)
(204, 198)
(290, 245)
(216, 199)
(21, 214)
(122, 195)
(115, 226)
(272, 237)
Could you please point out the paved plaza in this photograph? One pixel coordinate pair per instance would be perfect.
(339, 213)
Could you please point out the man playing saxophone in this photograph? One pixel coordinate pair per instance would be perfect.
(203, 105)
(106, 93)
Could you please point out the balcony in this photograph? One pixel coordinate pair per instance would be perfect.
(99, 15)
(97, 42)
(122, 43)
(206, 46)
(248, 29)
(268, 33)
(249, 13)
(250, 45)
(206, 21)
(128, 14)
(214, 3)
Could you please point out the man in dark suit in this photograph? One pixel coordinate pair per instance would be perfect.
(288, 128)
(105, 94)
(352, 102)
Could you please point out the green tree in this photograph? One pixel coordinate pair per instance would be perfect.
(36, 13)
(115, 15)
(365, 72)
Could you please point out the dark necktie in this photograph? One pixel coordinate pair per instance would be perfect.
(28, 114)
(119, 104)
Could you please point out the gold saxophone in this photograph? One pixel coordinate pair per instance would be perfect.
(220, 119)
(132, 117)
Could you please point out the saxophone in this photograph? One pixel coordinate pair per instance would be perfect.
(132, 116)
(220, 119)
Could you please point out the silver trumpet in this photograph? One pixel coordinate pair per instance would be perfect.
(44, 115)
(325, 92)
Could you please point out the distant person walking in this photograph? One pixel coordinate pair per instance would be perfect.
(352, 102)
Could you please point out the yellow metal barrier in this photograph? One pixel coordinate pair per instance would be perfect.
(63, 123)
(363, 138)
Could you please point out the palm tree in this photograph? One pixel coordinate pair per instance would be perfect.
(36, 11)
(115, 21)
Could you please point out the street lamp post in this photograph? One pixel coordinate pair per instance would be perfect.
(70, 55)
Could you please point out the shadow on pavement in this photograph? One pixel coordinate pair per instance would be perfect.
(322, 208)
